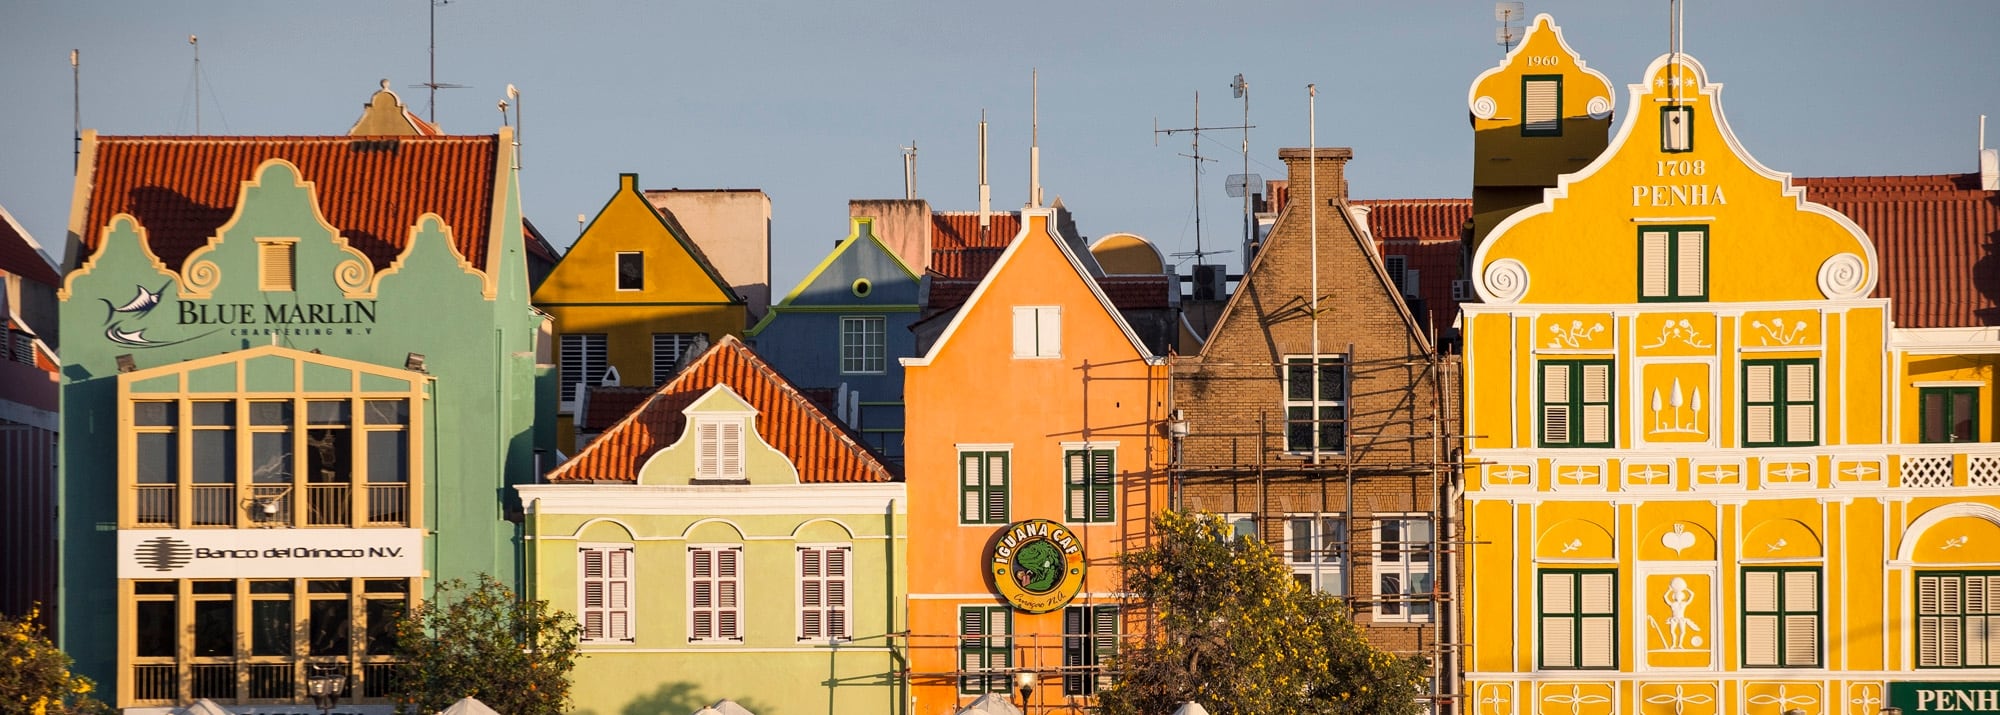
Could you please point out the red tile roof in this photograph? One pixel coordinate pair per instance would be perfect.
(371, 188)
(538, 246)
(605, 405)
(961, 249)
(1426, 232)
(1139, 292)
(19, 256)
(823, 450)
(1934, 236)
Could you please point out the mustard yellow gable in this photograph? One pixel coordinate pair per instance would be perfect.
(1539, 113)
(1677, 190)
(670, 272)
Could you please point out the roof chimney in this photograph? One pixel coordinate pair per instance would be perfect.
(1332, 171)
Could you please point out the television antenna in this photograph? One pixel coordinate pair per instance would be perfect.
(434, 85)
(1195, 144)
(1238, 185)
(910, 170)
(1507, 34)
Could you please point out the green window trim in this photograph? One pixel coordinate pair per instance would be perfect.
(1785, 617)
(1941, 410)
(1566, 618)
(1665, 266)
(982, 479)
(1570, 410)
(1090, 476)
(1552, 126)
(985, 647)
(1667, 115)
(1946, 606)
(1776, 414)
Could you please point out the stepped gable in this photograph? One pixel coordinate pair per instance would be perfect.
(372, 189)
(822, 449)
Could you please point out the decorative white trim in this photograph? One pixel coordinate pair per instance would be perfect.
(1843, 275)
(1904, 555)
(706, 500)
(1504, 282)
(1673, 219)
(1596, 104)
(1948, 383)
(1945, 341)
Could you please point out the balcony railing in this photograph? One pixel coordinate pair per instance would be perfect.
(1938, 466)
(270, 505)
(328, 505)
(155, 505)
(253, 681)
(389, 503)
(155, 681)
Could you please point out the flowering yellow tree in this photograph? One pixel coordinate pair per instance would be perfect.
(34, 674)
(1237, 635)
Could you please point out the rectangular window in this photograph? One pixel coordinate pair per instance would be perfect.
(215, 623)
(864, 345)
(1316, 549)
(606, 608)
(156, 620)
(1403, 570)
(1950, 414)
(1091, 475)
(719, 449)
(669, 353)
(271, 629)
(1090, 640)
(982, 482)
(1037, 331)
(1676, 129)
(631, 270)
(584, 361)
(1579, 619)
(715, 599)
(823, 588)
(1673, 264)
(1958, 619)
(1780, 403)
(1781, 617)
(1575, 403)
(985, 649)
(1541, 105)
(275, 269)
(1316, 403)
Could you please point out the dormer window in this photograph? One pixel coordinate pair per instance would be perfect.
(1541, 105)
(276, 264)
(1676, 129)
(719, 450)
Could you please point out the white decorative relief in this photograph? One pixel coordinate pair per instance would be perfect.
(1506, 280)
(1599, 107)
(1777, 330)
(1574, 335)
(1683, 332)
(1843, 276)
(1485, 107)
(1680, 539)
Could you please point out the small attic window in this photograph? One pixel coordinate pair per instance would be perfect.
(1676, 129)
(1541, 105)
(719, 450)
(631, 271)
(862, 287)
(276, 264)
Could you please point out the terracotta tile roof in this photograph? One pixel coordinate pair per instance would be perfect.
(1139, 292)
(1426, 232)
(1934, 236)
(605, 405)
(371, 188)
(19, 256)
(960, 249)
(538, 246)
(823, 450)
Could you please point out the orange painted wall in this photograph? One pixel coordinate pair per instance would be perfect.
(972, 391)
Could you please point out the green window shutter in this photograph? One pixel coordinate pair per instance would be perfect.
(972, 485)
(971, 649)
(1780, 403)
(1103, 470)
(1556, 413)
(996, 487)
(1076, 477)
(1558, 620)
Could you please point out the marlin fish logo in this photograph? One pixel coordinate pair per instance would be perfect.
(137, 307)
(142, 304)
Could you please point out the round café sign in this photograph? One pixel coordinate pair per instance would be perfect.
(1037, 565)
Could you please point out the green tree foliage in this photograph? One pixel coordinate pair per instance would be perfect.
(1237, 635)
(482, 641)
(34, 674)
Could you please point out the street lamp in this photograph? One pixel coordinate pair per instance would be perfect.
(325, 682)
(1025, 681)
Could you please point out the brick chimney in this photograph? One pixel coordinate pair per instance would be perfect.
(1332, 163)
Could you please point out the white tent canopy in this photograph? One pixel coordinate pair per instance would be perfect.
(204, 706)
(990, 704)
(1191, 708)
(468, 706)
(724, 707)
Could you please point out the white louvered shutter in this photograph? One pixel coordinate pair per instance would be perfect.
(277, 272)
(1101, 493)
(1105, 646)
(1077, 472)
(1760, 426)
(1558, 625)
(1596, 407)
(708, 452)
(836, 592)
(1927, 622)
(593, 593)
(1048, 331)
(812, 595)
(1000, 651)
(1540, 111)
(971, 488)
(728, 596)
(1555, 410)
(731, 450)
(1024, 331)
(1599, 632)
(618, 593)
(1802, 618)
(1800, 411)
(701, 601)
(971, 648)
(996, 487)
(1760, 631)
(1653, 264)
(1689, 246)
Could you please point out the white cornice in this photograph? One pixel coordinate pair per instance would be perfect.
(713, 500)
(1946, 341)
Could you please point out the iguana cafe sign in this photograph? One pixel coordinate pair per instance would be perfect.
(1037, 565)
(1967, 697)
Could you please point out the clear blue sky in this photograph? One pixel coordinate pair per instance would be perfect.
(810, 101)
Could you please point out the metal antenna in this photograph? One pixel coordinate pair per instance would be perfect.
(515, 96)
(1239, 185)
(76, 109)
(1507, 12)
(196, 42)
(1196, 130)
(910, 170)
(1035, 139)
(434, 85)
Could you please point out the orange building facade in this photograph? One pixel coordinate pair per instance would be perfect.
(1033, 460)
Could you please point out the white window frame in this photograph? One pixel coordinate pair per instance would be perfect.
(609, 633)
(716, 447)
(1328, 561)
(864, 344)
(825, 607)
(1037, 332)
(1237, 522)
(1406, 565)
(717, 634)
(588, 372)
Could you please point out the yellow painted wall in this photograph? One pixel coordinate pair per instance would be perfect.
(1510, 168)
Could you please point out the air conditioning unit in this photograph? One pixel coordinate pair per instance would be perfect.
(1461, 290)
(1211, 281)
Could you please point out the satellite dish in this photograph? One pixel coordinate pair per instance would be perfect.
(1237, 184)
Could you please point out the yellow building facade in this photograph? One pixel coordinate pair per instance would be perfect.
(1706, 473)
